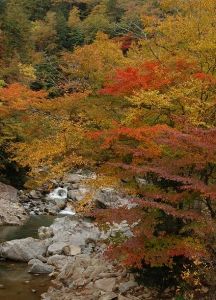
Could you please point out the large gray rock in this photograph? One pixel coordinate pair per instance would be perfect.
(110, 198)
(38, 267)
(74, 232)
(24, 249)
(11, 211)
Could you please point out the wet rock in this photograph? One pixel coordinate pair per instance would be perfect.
(24, 249)
(38, 267)
(71, 250)
(106, 284)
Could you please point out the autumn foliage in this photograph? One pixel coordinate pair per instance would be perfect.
(132, 95)
(177, 201)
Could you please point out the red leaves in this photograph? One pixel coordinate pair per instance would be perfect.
(179, 169)
(151, 75)
(206, 78)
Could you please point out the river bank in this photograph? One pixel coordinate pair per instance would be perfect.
(69, 250)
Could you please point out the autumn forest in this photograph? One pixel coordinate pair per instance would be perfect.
(127, 89)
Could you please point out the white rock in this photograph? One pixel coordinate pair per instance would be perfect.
(24, 249)
(71, 250)
(67, 211)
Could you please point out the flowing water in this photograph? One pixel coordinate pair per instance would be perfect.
(15, 281)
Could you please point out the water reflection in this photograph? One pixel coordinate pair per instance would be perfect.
(15, 281)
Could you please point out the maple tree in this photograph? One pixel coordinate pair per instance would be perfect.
(179, 171)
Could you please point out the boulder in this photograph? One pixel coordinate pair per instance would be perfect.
(74, 232)
(11, 212)
(38, 267)
(24, 249)
(110, 198)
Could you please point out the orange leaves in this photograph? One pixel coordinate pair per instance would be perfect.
(17, 97)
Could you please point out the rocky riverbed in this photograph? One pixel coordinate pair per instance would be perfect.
(71, 250)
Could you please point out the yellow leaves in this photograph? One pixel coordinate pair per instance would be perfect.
(95, 61)
(62, 105)
(51, 156)
(149, 99)
(189, 30)
(27, 71)
(193, 99)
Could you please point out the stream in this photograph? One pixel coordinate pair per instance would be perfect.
(15, 281)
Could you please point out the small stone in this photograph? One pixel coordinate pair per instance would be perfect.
(34, 291)
(124, 287)
(71, 250)
(38, 267)
(2, 286)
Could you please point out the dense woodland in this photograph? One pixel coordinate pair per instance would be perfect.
(126, 88)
